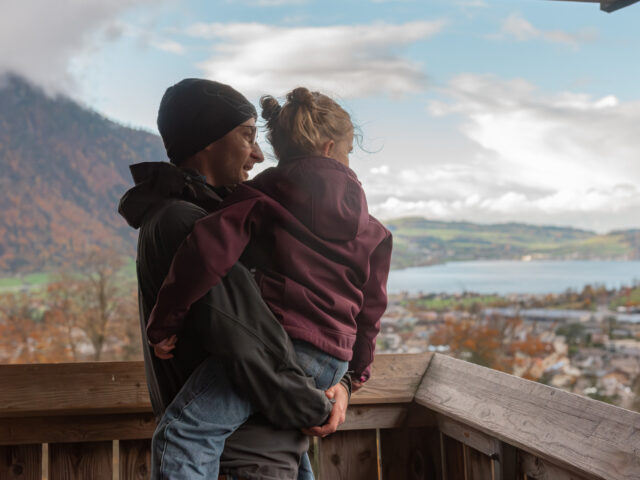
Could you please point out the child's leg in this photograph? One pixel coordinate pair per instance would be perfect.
(189, 439)
(326, 371)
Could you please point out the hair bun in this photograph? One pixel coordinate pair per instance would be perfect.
(301, 96)
(270, 108)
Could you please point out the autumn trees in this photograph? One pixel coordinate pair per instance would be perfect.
(493, 341)
(88, 312)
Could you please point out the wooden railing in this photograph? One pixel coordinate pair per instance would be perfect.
(420, 417)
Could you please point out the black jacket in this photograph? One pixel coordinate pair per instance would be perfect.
(231, 321)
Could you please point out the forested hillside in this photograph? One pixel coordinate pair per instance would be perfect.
(418, 241)
(63, 170)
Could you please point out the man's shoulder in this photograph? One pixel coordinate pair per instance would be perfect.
(174, 214)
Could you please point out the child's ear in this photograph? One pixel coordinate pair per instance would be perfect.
(327, 148)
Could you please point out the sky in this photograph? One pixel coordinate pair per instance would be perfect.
(470, 110)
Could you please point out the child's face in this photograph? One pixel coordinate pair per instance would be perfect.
(343, 148)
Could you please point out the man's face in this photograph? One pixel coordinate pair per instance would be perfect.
(230, 158)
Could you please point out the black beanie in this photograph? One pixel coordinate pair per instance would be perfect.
(195, 112)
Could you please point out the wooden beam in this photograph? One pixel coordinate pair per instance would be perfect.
(120, 387)
(585, 436)
(77, 428)
(394, 379)
(73, 388)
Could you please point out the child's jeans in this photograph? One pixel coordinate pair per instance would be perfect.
(188, 441)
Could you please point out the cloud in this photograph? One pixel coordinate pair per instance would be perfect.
(355, 61)
(522, 30)
(38, 39)
(169, 46)
(534, 156)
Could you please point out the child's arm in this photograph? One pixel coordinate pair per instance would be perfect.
(206, 255)
(374, 305)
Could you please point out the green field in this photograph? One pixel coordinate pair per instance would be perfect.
(422, 242)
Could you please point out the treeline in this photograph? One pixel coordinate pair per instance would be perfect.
(88, 312)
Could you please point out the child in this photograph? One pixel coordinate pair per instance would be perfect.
(321, 261)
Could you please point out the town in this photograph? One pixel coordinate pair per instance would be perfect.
(584, 342)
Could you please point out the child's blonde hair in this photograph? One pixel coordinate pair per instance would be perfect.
(305, 121)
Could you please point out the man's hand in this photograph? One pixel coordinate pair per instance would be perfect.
(163, 349)
(339, 394)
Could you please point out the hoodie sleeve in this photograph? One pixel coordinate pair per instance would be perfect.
(374, 305)
(206, 255)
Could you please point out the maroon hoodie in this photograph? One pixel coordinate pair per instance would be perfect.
(321, 260)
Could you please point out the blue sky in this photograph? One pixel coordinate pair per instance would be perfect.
(480, 110)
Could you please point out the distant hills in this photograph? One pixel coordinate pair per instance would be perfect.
(65, 167)
(423, 242)
(63, 170)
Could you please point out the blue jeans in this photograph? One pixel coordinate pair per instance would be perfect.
(189, 439)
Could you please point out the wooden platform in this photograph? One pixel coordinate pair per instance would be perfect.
(420, 417)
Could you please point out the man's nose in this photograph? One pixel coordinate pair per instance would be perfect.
(256, 153)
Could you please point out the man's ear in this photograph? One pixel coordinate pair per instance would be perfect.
(327, 148)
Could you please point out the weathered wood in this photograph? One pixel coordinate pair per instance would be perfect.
(134, 459)
(478, 465)
(489, 446)
(537, 469)
(351, 455)
(453, 458)
(362, 417)
(505, 465)
(410, 454)
(21, 462)
(394, 379)
(81, 461)
(76, 428)
(591, 438)
(73, 388)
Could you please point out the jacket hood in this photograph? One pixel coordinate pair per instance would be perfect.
(156, 182)
(323, 194)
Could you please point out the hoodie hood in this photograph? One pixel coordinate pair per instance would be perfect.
(156, 182)
(323, 194)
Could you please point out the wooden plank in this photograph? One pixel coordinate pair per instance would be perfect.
(453, 458)
(410, 454)
(590, 438)
(119, 387)
(81, 461)
(478, 465)
(73, 388)
(505, 465)
(351, 455)
(134, 459)
(21, 462)
(76, 428)
(537, 469)
(472, 437)
(362, 417)
(394, 379)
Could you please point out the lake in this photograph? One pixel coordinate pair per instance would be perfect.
(506, 276)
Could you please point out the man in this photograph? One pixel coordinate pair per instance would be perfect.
(209, 132)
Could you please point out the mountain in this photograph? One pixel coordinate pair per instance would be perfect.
(418, 241)
(63, 170)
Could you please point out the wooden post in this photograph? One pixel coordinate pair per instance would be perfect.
(81, 461)
(134, 459)
(349, 455)
(21, 462)
(453, 458)
(410, 454)
(478, 465)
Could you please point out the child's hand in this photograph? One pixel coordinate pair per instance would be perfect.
(356, 385)
(163, 349)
